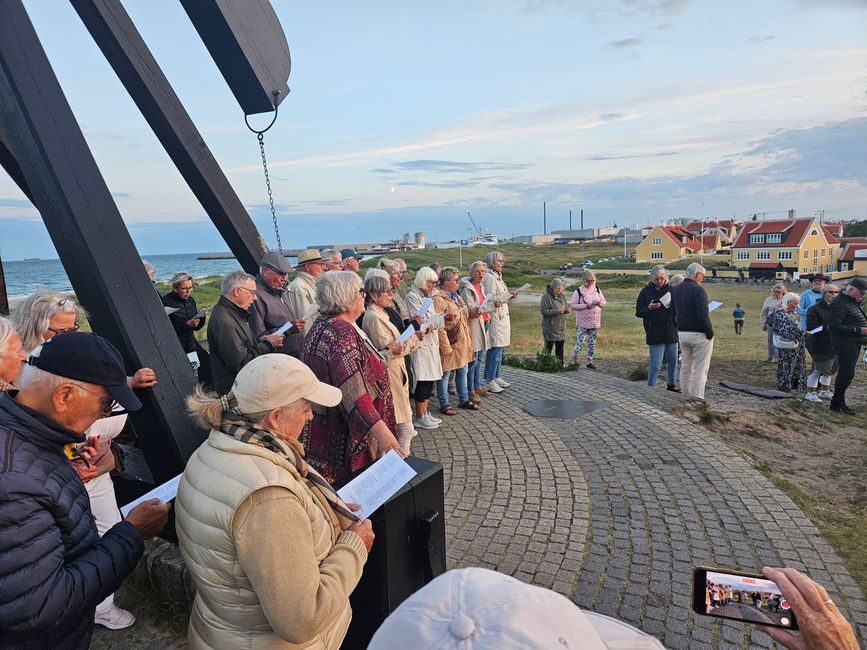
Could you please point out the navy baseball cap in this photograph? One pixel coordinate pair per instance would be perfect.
(89, 358)
(346, 253)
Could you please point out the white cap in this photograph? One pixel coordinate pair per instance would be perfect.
(478, 609)
(274, 380)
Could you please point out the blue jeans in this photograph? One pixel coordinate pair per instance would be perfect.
(460, 385)
(474, 372)
(493, 359)
(657, 353)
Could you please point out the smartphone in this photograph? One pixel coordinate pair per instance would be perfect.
(740, 596)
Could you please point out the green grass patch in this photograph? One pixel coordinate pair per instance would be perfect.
(543, 362)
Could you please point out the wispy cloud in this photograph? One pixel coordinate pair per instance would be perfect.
(761, 39)
(624, 43)
(452, 167)
(625, 157)
(443, 184)
(121, 195)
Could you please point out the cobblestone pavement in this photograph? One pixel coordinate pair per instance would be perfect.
(615, 508)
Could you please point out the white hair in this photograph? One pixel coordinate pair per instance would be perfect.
(492, 257)
(150, 270)
(392, 266)
(376, 273)
(336, 292)
(478, 263)
(32, 316)
(694, 269)
(658, 270)
(675, 279)
(234, 280)
(791, 296)
(7, 329)
(424, 275)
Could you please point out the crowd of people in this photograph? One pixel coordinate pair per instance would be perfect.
(301, 385)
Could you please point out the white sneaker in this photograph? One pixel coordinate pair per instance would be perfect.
(502, 382)
(114, 618)
(812, 397)
(826, 394)
(493, 387)
(422, 423)
(433, 420)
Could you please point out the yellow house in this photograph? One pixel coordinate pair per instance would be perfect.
(796, 246)
(669, 243)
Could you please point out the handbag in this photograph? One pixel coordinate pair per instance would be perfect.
(784, 344)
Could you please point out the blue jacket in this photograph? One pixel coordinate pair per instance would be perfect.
(689, 300)
(54, 568)
(808, 299)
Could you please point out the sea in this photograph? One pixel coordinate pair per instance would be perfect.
(25, 277)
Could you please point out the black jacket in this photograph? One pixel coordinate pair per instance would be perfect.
(820, 345)
(186, 310)
(54, 568)
(846, 318)
(690, 308)
(231, 343)
(659, 325)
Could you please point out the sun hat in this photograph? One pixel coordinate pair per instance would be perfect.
(309, 255)
(273, 380)
(276, 262)
(87, 357)
(479, 609)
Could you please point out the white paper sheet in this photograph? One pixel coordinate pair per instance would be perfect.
(377, 484)
(165, 493)
(485, 301)
(817, 330)
(425, 305)
(713, 305)
(200, 314)
(523, 287)
(665, 300)
(286, 326)
(407, 333)
(171, 310)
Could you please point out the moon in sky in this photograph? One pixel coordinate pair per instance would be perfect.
(392, 188)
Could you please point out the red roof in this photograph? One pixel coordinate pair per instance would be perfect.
(792, 231)
(829, 234)
(696, 226)
(848, 253)
(763, 265)
(684, 238)
(852, 240)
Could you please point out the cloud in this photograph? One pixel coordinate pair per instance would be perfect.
(382, 170)
(121, 195)
(326, 202)
(611, 117)
(624, 43)
(761, 39)
(664, 27)
(647, 155)
(452, 167)
(446, 184)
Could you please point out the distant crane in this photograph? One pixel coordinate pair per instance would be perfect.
(476, 226)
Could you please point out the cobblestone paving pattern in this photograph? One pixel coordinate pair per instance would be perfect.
(664, 496)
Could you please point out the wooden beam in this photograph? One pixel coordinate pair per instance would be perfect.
(129, 56)
(91, 239)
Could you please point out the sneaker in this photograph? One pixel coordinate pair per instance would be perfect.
(812, 397)
(826, 394)
(114, 618)
(494, 387)
(422, 423)
(591, 365)
(430, 416)
(502, 382)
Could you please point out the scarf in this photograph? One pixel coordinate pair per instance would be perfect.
(236, 426)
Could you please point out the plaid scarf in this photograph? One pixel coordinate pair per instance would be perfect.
(236, 426)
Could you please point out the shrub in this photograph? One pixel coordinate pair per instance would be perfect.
(544, 362)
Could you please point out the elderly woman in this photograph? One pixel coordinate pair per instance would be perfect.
(426, 363)
(455, 344)
(354, 433)
(554, 309)
(821, 347)
(474, 295)
(272, 549)
(184, 319)
(587, 301)
(383, 333)
(12, 355)
(772, 303)
(500, 325)
(653, 306)
(789, 342)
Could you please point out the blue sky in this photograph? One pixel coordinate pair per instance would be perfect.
(404, 116)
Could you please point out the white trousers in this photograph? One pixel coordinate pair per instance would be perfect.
(103, 505)
(695, 353)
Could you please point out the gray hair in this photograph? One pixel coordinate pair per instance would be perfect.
(447, 273)
(658, 270)
(150, 270)
(424, 275)
(492, 257)
(375, 285)
(376, 273)
(478, 263)
(694, 269)
(828, 287)
(332, 253)
(791, 296)
(391, 266)
(32, 316)
(557, 282)
(336, 292)
(179, 278)
(675, 279)
(780, 286)
(234, 280)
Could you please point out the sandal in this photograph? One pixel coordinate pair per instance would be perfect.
(448, 410)
(470, 406)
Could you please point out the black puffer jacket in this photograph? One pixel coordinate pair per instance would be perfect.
(186, 310)
(845, 319)
(54, 568)
(820, 345)
(659, 326)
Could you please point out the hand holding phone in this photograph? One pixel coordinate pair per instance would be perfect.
(741, 596)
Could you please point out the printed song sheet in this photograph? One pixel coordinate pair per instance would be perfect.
(165, 493)
(287, 326)
(377, 483)
(714, 305)
(665, 300)
(407, 333)
(425, 305)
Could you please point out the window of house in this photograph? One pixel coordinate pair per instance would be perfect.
(743, 255)
(844, 266)
(657, 241)
(815, 253)
(774, 238)
(823, 252)
(813, 233)
(656, 256)
(784, 255)
(763, 256)
(757, 239)
(806, 255)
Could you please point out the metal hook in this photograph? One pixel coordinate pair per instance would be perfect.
(274, 119)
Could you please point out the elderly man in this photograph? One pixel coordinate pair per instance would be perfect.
(392, 267)
(350, 260)
(231, 342)
(270, 310)
(500, 326)
(333, 260)
(811, 297)
(302, 290)
(694, 330)
(848, 324)
(56, 567)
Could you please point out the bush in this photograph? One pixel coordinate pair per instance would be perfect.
(639, 372)
(544, 362)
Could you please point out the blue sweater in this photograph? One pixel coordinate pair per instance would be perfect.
(808, 299)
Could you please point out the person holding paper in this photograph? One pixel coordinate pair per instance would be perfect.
(772, 303)
(789, 341)
(272, 548)
(426, 363)
(187, 320)
(474, 296)
(384, 336)
(500, 325)
(455, 345)
(848, 324)
(653, 307)
(271, 310)
(362, 427)
(694, 330)
(587, 302)
(554, 309)
(301, 293)
(821, 347)
(811, 297)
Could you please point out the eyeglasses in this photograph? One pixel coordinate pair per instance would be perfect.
(74, 328)
(362, 292)
(252, 291)
(106, 403)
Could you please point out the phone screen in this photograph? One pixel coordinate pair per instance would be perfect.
(747, 597)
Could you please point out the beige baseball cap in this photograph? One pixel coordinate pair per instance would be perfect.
(274, 380)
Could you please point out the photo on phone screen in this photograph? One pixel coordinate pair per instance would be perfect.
(740, 596)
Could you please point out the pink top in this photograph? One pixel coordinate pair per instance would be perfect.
(585, 316)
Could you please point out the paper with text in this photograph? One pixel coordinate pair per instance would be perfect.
(201, 313)
(665, 300)
(286, 326)
(817, 330)
(714, 305)
(406, 334)
(165, 493)
(523, 287)
(425, 305)
(377, 484)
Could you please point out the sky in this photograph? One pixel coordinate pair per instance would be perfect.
(404, 116)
